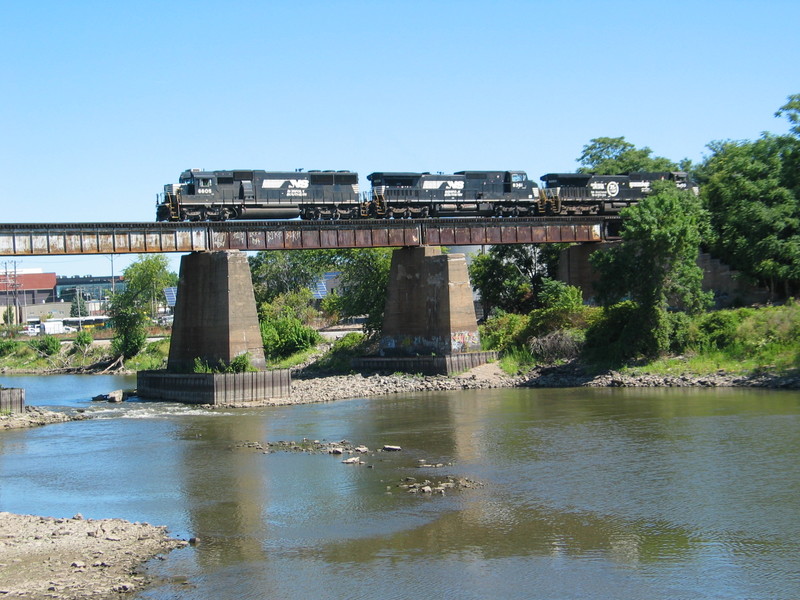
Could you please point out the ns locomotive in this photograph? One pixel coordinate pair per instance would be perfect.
(252, 194)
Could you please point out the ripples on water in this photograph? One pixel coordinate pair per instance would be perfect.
(588, 493)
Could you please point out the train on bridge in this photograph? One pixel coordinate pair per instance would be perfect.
(203, 195)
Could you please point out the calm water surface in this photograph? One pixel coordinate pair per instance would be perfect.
(587, 493)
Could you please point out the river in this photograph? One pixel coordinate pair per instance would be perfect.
(586, 493)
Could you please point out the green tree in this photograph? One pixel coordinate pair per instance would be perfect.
(612, 156)
(655, 265)
(508, 277)
(277, 272)
(145, 280)
(752, 192)
(791, 110)
(129, 320)
(78, 306)
(364, 279)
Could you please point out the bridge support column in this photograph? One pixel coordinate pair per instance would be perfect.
(215, 313)
(429, 306)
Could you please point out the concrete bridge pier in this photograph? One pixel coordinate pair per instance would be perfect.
(215, 313)
(429, 305)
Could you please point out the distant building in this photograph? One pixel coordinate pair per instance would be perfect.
(326, 284)
(18, 290)
(90, 287)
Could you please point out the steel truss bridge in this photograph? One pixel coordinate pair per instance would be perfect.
(46, 239)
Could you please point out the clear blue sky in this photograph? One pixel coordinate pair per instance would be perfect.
(105, 102)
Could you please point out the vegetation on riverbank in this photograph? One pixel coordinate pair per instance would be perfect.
(744, 340)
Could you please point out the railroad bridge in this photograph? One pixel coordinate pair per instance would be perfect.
(429, 308)
(21, 239)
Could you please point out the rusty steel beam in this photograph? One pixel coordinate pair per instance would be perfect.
(126, 238)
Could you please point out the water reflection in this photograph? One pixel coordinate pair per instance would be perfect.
(587, 493)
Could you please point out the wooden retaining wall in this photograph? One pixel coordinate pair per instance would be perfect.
(426, 365)
(12, 400)
(213, 388)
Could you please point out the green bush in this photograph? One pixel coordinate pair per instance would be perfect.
(342, 352)
(616, 336)
(241, 364)
(718, 330)
(8, 347)
(284, 336)
(84, 339)
(562, 308)
(504, 331)
(47, 345)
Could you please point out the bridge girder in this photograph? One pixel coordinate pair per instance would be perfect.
(135, 238)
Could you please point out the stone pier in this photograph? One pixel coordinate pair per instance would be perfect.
(215, 313)
(429, 305)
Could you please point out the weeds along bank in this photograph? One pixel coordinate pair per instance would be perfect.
(746, 341)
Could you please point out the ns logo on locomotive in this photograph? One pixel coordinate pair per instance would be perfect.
(221, 195)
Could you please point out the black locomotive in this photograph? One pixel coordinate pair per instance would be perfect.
(221, 195)
(586, 193)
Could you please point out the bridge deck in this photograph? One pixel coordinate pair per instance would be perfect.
(19, 239)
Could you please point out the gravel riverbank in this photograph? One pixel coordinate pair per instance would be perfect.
(45, 557)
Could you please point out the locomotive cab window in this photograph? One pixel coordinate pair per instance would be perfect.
(204, 182)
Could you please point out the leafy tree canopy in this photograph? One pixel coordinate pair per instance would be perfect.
(364, 279)
(145, 280)
(655, 265)
(752, 191)
(509, 277)
(612, 156)
(278, 272)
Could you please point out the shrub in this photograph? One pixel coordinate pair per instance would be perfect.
(284, 336)
(83, 341)
(617, 335)
(46, 345)
(504, 331)
(342, 352)
(8, 347)
(718, 330)
(241, 364)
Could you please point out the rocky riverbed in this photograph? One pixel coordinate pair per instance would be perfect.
(66, 558)
(34, 416)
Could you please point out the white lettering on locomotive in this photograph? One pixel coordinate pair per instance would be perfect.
(204, 191)
(437, 184)
(276, 184)
(292, 192)
(612, 188)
